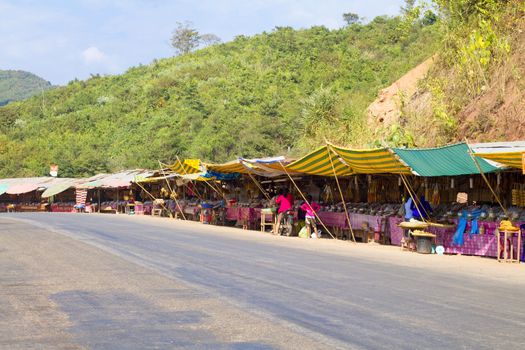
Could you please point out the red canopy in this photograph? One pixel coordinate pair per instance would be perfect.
(22, 188)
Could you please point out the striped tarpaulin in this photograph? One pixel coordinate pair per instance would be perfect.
(371, 161)
(268, 167)
(81, 196)
(450, 160)
(188, 166)
(318, 163)
(511, 159)
(234, 166)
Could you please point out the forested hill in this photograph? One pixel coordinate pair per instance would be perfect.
(254, 96)
(17, 85)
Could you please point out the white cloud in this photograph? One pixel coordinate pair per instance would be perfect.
(93, 55)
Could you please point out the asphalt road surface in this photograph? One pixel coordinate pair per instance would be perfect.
(71, 281)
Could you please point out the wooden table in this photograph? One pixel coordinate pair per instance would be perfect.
(506, 235)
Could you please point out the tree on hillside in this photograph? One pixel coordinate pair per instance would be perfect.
(410, 14)
(185, 38)
(209, 39)
(351, 18)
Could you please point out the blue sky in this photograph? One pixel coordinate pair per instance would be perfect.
(64, 40)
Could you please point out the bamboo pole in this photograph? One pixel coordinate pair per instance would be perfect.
(412, 196)
(260, 187)
(153, 197)
(341, 192)
(171, 190)
(416, 199)
(195, 190)
(304, 198)
(216, 190)
(484, 177)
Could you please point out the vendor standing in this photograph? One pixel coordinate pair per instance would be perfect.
(285, 202)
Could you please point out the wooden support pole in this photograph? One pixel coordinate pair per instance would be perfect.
(407, 186)
(259, 186)
(153, 197)
(195, 190)
(484, 177)
(172, 192)
(304, 198)
(341, 192)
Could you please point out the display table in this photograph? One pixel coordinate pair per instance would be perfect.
(63, 207)
(334, 219)
(509, 253)
(338, 221)
(477, 244)
(246, 216)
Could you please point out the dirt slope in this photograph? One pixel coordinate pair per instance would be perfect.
(386, 109)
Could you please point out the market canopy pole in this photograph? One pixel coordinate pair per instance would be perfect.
(260, 187)
(194, 189)
(340, 191)
(216, 190)
(407, 186)
(484, 177)
(153, 197)
(171, 190)
(302, 195)
(415, 199)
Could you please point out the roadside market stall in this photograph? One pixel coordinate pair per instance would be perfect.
(109, 193)
(25, 194)
(461, 228)
(246, 196)
(358, 172)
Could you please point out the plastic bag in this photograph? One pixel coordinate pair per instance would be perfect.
(303, 233)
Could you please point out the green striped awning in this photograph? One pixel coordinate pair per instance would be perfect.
(451, 160)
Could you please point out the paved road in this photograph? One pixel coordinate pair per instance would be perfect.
(330, 300)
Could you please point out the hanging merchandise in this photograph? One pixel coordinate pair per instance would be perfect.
(327, 194)
(350, 192)
(518, 195)
(357, 193)
(436, 199)
(372, 192)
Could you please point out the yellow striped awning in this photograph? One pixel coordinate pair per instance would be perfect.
(511, 159)
(319, 162)
(371, 161)
(188, 166)
(234, 166)
(269, 167)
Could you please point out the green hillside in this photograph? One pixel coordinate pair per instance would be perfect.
(254, 96)
(476, 89)
(17, 85)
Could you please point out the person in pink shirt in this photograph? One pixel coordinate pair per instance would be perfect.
(310, 208)
(285, 203)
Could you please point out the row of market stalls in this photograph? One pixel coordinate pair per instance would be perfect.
(361, 192)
